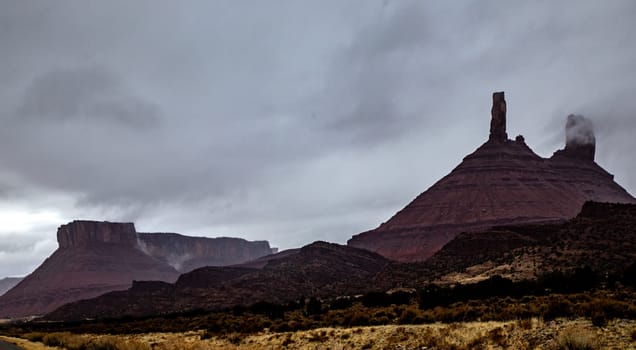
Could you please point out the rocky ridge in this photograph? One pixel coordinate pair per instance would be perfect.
(319, 269)
(602, 230)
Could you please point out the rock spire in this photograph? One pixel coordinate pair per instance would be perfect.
(498, 120)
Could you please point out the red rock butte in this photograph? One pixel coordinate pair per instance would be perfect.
(96, 257)
(502, 182)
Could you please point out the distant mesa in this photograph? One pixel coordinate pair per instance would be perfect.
(98, 257)
(502, 182)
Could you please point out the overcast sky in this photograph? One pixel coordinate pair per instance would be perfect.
(290, 121)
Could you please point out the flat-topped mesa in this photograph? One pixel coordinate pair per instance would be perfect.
(580, 142)
(498, 118)
(81, 233)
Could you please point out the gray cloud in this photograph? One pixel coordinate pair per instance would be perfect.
(287, 121)
(85, 95)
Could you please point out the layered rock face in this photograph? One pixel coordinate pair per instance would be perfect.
(188, 253)
(93, 258)
(502, 182)
(78, 234)
(7, 283)
(98, 257)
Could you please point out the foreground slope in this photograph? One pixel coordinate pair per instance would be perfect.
(601, 237)
(502, 182)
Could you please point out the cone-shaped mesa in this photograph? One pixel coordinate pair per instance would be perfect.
(498, 118)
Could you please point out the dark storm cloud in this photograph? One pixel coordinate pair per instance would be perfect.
(289, 121)
(82, 94)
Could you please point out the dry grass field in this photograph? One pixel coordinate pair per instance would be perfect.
(559, 334)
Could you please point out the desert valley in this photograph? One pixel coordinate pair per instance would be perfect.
(317, 175)
(509, 250)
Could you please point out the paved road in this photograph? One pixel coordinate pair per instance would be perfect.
(8, 346)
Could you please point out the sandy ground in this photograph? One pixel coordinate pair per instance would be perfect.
(524, 334)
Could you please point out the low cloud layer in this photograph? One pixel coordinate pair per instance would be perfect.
(284, 121)
(579, 130)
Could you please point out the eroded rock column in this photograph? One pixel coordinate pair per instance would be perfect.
(498, 118)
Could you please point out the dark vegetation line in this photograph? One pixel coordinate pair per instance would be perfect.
(581, 293)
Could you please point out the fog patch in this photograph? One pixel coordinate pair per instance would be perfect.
(579, 131)
(141, 245)
(177, 261)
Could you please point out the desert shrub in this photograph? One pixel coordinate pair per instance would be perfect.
(341, 303)
(238, 310)
(629, 275)
(377, 321)
(603, 310)
(581, 279)
(288, 341)
(33, 336)
(576, 340)
(374, 299)
(599, 319)
(433, 295)
(496, 286)
(57, 339)
(400, 297)
(271, 310)
(314, 307)
(281, 326)
(70, 341)
(356, 318)
(479, 343)
(556, 308)
(298, 304)
(318, 337)
(407, 316)
(235, 338)
(497, 336)
(525, 323)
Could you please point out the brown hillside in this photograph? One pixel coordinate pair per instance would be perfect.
(602, 237)
(319, 269)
